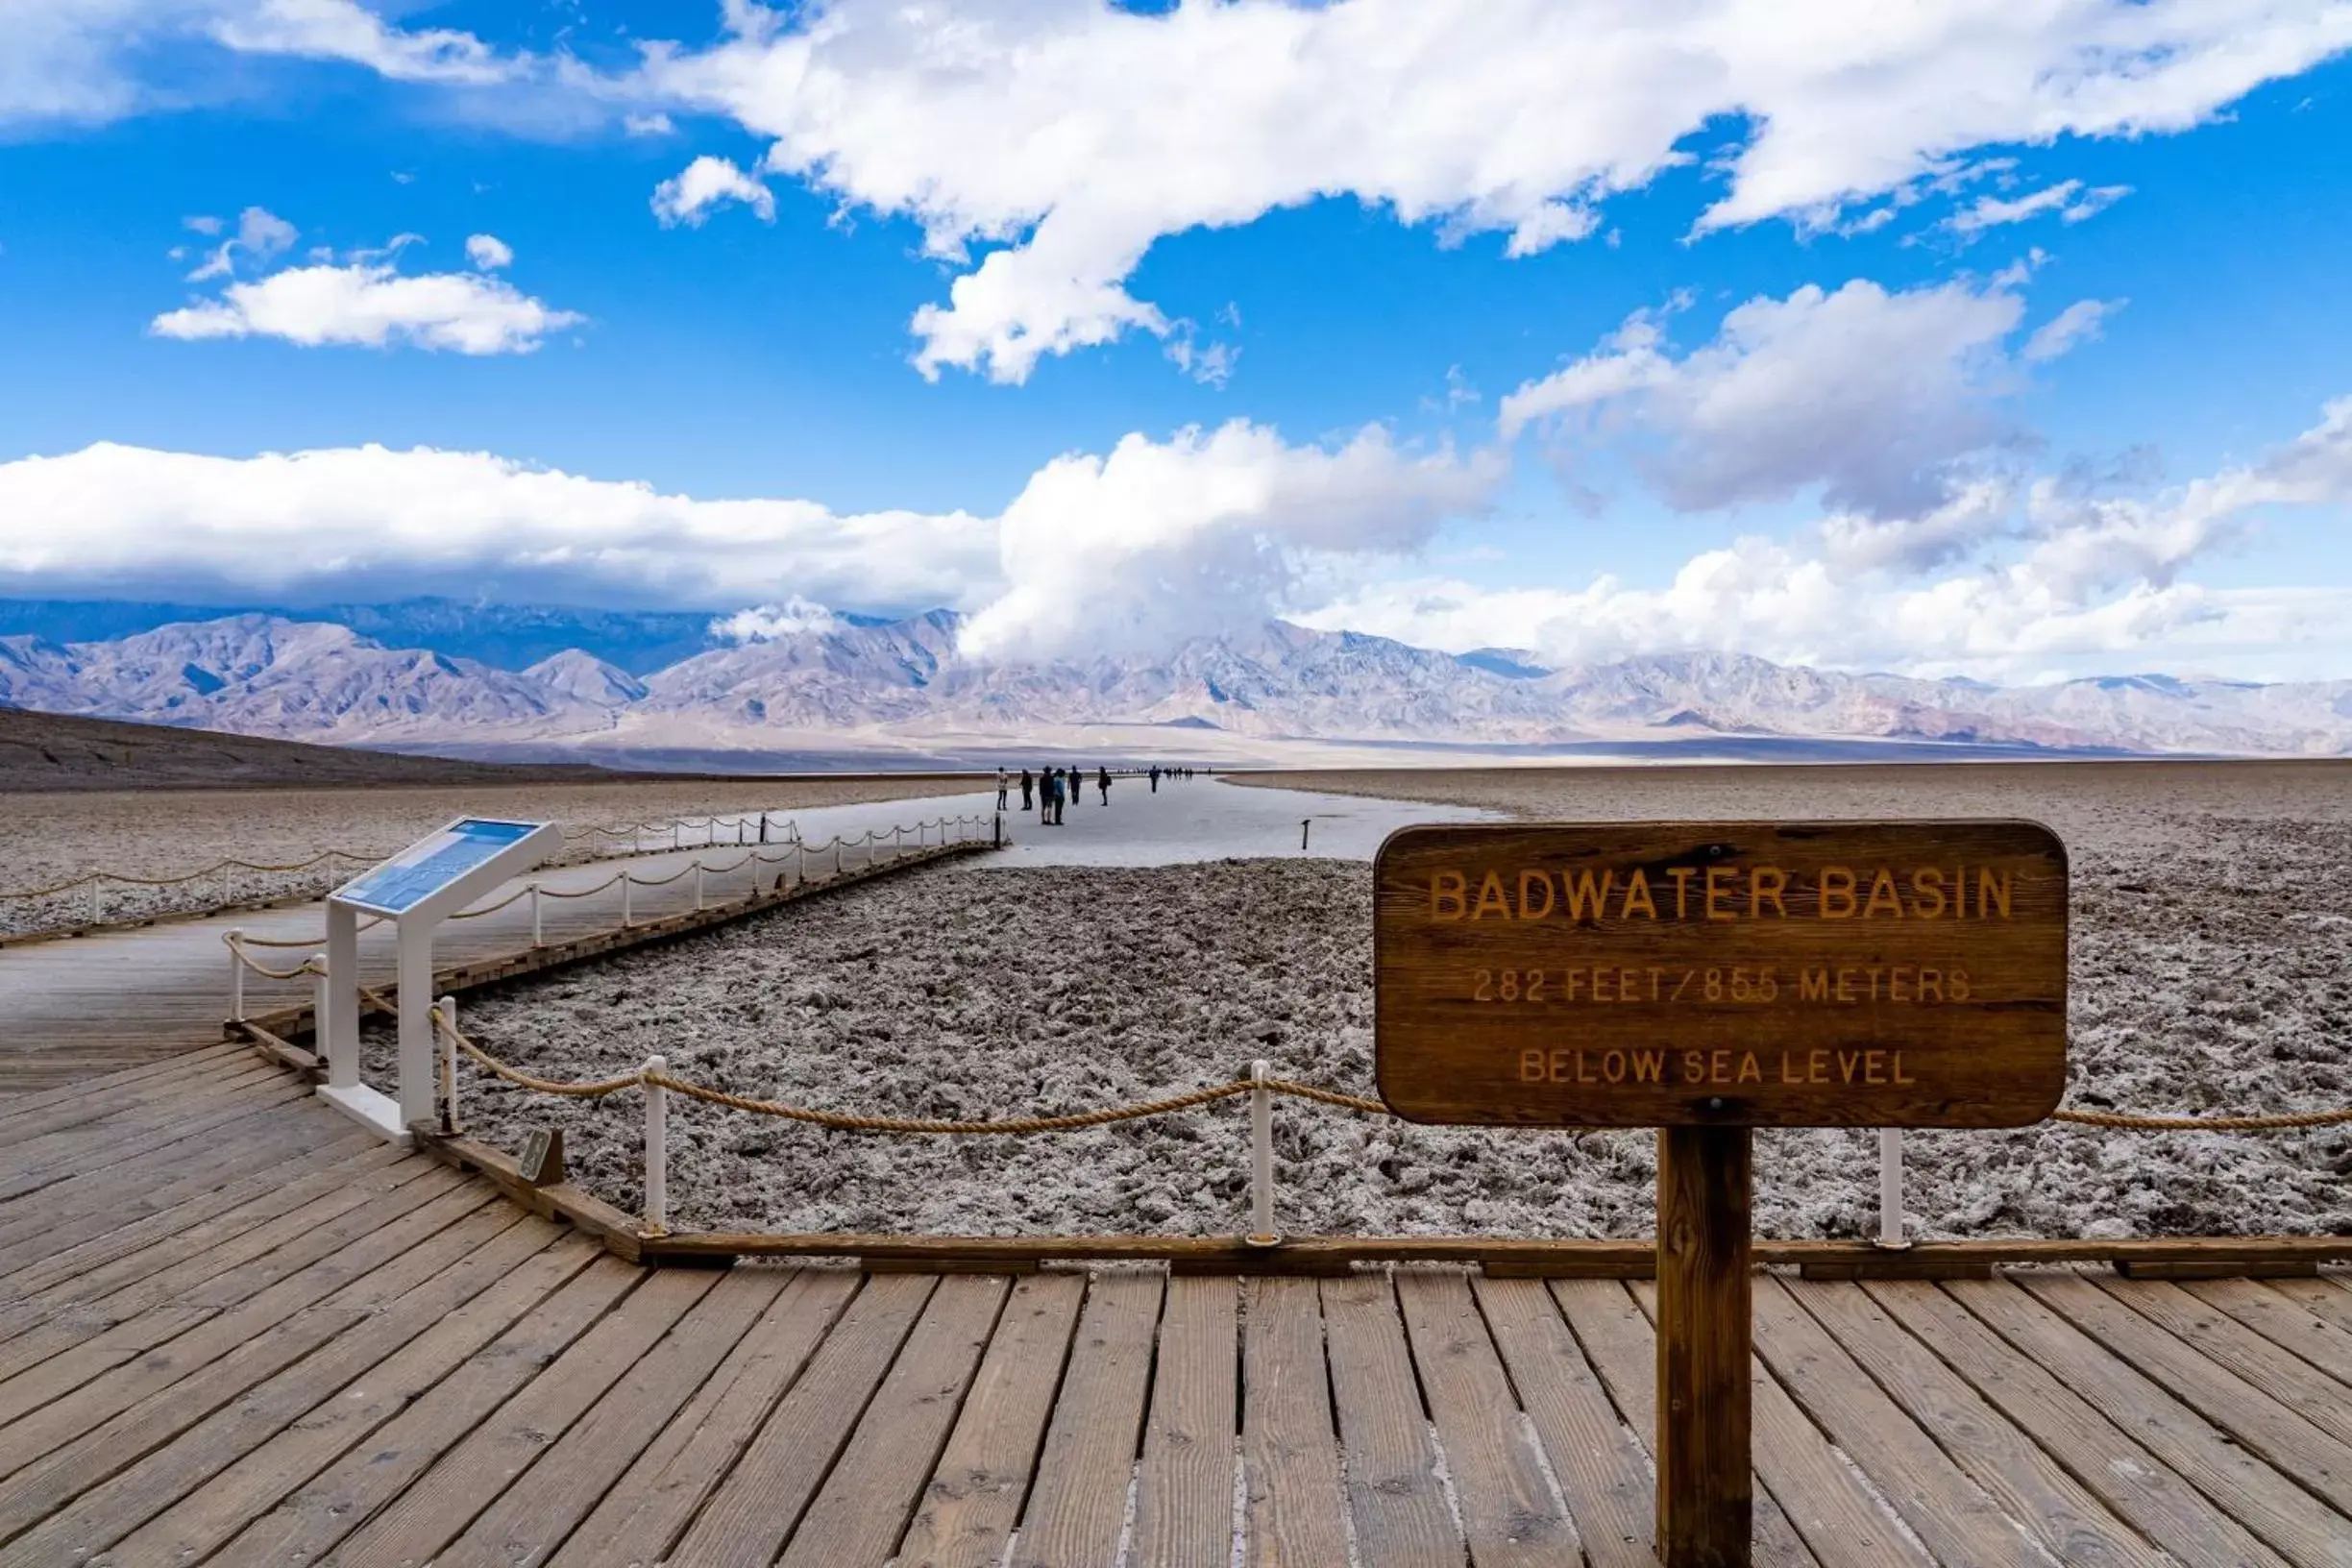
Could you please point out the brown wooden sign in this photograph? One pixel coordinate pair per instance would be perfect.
(1762, 974)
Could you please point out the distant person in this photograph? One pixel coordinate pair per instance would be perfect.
(1065, 785)
(1028, 791)
(1002, 784)
(1102, 781)
(1155, 778)
(1045, 789)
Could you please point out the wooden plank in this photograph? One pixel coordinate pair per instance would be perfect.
(473, 1475)
(314, 1193)
(1294, 1510)
(2101, 1455)
(860, 1514)
(646, 1513)
(1079, 1502)
(252, 1298)
(152, 1401)
(261, 1479)
(1602, 1469)
(1184, 1485)
(310, 1523)
(619, 1233)
(1955, 1517)
(2030, 1485)
(1618, 1342)
(1841, 1518)
(195, 1061)
(973, 1502)
(2276, 1401)
(531, 1519)
(1500, 1257)
(2269, 1504)
(100, 1514)
(1392, 1488)
(177, 1132)
(2324, 1298)
(753, 1511)
(2278, 1318)
(1508, 1509)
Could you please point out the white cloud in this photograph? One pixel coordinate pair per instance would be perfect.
(1875, 397)
(2067, 199)
(1069, 135)
(261, 237)
(367, 522)
(488, 252)
(646, 124)
(688, 196)
(1206, 531)
(796, 616)
(364, 300)
(2093, 577)
(343, 29)
(202, 225)
(2078, 323)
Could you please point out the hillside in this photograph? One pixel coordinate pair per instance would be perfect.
(46, 751)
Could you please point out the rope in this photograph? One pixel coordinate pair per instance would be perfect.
(582, 893)
(319, 941)
(490, 909)
(237, 945)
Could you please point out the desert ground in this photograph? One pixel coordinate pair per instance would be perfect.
(2209, 973)
(50, 836)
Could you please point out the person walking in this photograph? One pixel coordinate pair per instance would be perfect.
(1045, 797)
(1003, 783)
(1028, 791)
(1102, 781)
(1155, 778)
(1062, 795)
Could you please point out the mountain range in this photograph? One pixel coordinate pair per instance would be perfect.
(870, 688)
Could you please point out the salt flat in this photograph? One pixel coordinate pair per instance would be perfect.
(2208, 974)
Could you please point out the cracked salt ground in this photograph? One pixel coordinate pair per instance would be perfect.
(963, 992)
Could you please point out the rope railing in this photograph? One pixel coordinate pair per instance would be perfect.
(96, 882)
(657, 1082)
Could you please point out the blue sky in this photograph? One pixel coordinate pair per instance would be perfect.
(1208, 316)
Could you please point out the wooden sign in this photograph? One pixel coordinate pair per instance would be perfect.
(1757, 975)
(543, 1157)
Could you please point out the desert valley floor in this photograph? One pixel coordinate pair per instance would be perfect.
(2207, 931)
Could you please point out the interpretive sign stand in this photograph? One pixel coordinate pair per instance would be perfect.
(1707, 978)
(416, 890)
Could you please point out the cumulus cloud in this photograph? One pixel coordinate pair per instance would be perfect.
(1876, 398)
(488, 252)
(2089, 576)
(367, 300)
(688, 196)
(796, 616)
(1066, 136)
(646, 124)
(371, 522)
(343, 29)
(1205, 532)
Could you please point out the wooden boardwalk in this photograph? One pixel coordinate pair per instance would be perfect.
(234, 1330)
(82, 1005)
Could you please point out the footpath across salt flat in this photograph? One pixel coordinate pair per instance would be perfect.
(1186, 821)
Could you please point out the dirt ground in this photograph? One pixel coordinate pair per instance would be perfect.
(2210, 973)
(49, 838)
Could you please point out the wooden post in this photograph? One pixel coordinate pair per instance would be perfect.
(1704, 1487)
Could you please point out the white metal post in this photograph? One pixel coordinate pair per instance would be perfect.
(320, 992)
(236, 975)
(627, 881)
(537, 938)
(448, 1063)
(698, 887)
(95, 879)
(1891, 1188)
(342, 1047)
(1262, 1159)
(224, 888)
(656, 1152)
(415, 999)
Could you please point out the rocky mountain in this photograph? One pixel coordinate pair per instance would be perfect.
(863, 686)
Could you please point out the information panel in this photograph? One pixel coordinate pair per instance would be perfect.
(1764, 974)
(428, 864)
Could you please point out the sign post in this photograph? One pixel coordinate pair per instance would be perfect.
(416, 890)
(1705, 979)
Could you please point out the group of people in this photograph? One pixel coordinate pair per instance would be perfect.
(1049, 790)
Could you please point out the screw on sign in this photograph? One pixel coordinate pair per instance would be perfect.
(1705, 979)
